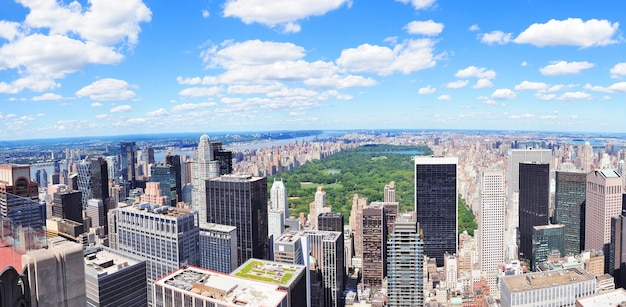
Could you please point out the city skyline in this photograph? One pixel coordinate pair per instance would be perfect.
(151, 67)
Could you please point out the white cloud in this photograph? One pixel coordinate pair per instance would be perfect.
(564, 68)
(529, 85)
(419, 4)
(32, 82)
(444, 97)
(618, 87)
(200, 91)
(107, 89)
(503, 93)
(524, 64)
(521, 116)
(96, 104)
(474, 28)
(9, 30)
(192, 106)
(574, 96)
(428, 27)
(279, 13)
(619, 70)
(457, 84)
(477, 72)
(47, 96)
(340, 82)
(483, 83)
(543, 96)
(122, 108)
(495, 37)
(570, 32)
(157, 113)
(407, 57)
(205, 14)
(427, 90)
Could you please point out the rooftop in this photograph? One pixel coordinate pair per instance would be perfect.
(104, 262)
(216, 227)
(531, 281)
(282, 274)
(611, 298)
(222, 288)
(609, 173)
(156, 209)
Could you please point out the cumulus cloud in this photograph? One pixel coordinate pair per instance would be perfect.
(47, 96)
(483, 83)
(529, 85)
(157, 113)
(122, 108)
(570, 32)
(427, 90)
(205, 14)
(457, 84)
(407, 57)
(419, 4)
(476, 72)
(444, 97)
(565, 68)
(192, 106)
(96, 104)
(503, 93)
(521, 116)
(495, 38)
(282, 14)
(200, 91)
(9, 30)
(107, 89)
(474, 28)
(619, 70)
(428, 27)
(574, 96)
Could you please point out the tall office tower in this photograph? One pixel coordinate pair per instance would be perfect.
(603, 201)
(165, 175)
(218, 247)
(83, 169)
(113, 168)
(514, 157)
(570, 209)
(128, 160)
(44, 178)
(275, 223)
(534, 203)
(174, 162)
(617, 250)
(154, 195)
(374, 245)
(405, 257)
(621, 170)
(68, 205)
(390, 192)
(186, 170)
(203, 168)
(97, 212)
(99, 179)
(491, 226)
(224, 157)
(356, 215)
(38, 177)
(114, 278)
(149, 152)
(586, 156)
(279, 197)
(240, 201)
(547, 240)
(19, 197)
(56, 274)
(317, 207)
(167, 237)
(330, 221)
(436, 204)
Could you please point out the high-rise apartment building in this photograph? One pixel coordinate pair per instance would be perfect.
(128, 162)
(603, 201)
(390, 192)
(279, 197)
(241, 201)
(275, 223)
(436, 204)
(218, 247)
(491, 225)
(570, 209)
(167, 237)
(317, 207)
(405, 271)
(534, 202)
(374, 245)
(204, 167)
(356, 215)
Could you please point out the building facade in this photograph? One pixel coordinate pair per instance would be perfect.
(570, 208)
(218, 247)
(405, 272)
(534, 202)
(491, 225)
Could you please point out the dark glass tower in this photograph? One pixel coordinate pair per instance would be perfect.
(165, 175)
(174, 162)
(534, 202)
(240, 201)
(436, 204)
(570, 208)
(99, 179)
(330, 221)
(68, 205)
(128, 158)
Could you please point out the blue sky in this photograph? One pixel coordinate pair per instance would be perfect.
(119, 67)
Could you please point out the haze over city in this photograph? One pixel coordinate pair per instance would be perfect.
(248, 65)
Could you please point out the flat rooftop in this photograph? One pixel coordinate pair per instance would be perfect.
(104, 262)
(216, 227)
(222, 288)
(282, 274)
(156, 209)
(532, 281)
(611, 298)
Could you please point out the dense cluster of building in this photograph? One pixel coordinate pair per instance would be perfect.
(207, 230)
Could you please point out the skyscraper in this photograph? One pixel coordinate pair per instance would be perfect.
(218, 247)
(491, 225)
(546, 240)
(19, 197)
(603, 201)
(68, 205)
(165, 175)
(175, 164)
(570, 209)
(330, 221)
(240, 201)
(436, 204)
(390, 192)
(279, 197)
(128, 160)
(534, 202)
(374, 245)
(317, 207)
(405, 272)
(203, 168)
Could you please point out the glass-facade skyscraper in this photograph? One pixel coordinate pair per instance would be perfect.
(436, 204)
(546, 239)
(570, 209)
(405, 257)
(534, 202)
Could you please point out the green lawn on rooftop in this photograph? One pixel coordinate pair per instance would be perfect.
(249, 271)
